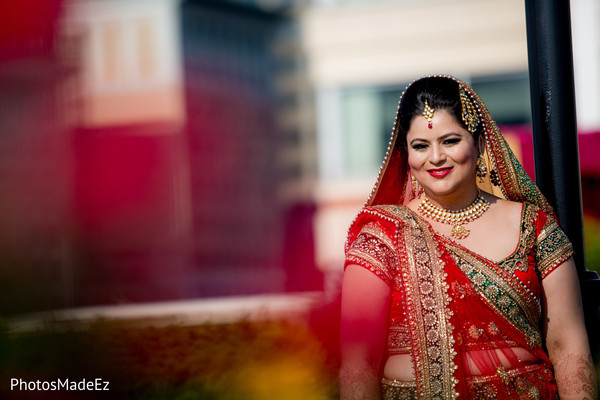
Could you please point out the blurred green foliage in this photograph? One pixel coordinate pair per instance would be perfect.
(591, 227)
(236, 361)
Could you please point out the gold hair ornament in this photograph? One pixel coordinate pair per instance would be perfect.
(469, 113)
(428, 114)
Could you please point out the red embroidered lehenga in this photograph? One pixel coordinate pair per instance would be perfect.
(459, 315)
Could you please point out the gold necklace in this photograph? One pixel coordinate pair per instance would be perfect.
(455, 218)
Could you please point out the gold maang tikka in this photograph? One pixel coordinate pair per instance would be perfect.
(428, 114)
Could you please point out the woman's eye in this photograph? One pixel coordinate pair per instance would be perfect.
(451, 141)
(419, 146)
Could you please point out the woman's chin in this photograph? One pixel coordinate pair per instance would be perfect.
(440, 190)
(447, 188)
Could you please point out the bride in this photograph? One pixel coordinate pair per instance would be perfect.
(458, 280)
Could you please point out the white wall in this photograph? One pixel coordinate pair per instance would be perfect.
(389, 42)
(585, 27)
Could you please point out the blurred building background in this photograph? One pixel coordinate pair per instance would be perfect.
(34, 157)
(362, 54)
(176, 149)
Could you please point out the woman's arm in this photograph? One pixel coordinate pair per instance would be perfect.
(363, 330)
(566, 337)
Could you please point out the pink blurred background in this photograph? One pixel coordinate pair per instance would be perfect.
(170, 150)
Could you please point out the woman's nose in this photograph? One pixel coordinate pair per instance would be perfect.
(437, 154)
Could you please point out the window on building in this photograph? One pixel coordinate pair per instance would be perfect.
(506, 96)
(362, 123)
(359, 121)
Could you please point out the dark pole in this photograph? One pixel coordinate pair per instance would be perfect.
(554, 125)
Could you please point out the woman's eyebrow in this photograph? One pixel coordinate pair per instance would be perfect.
(446, 135)
(418, 139)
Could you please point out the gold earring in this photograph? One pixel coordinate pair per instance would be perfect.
(481, 169)
(417, 189)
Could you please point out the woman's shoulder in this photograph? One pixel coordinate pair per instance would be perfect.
(504, 211)
(517, 210)
(499, 204)
(523, 207)
(389, 217)
(388, 212)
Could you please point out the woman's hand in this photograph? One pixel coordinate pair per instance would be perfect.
(566, 337)
(363, 330)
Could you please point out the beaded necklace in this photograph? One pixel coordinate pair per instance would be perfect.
(455, 218)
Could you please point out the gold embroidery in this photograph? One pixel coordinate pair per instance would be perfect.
(518, 261)
(374, 250)
(426, 288)
(534, 393)
(491, 291)
(512, 301)
(498, 283)
(427, 303)
(504, 301)
(521, 383)
(392, 389)
(503, 375)
(479, 278)
(475, 332)
(493, 329)
(552, 247)
(399, 339)
(460, 290)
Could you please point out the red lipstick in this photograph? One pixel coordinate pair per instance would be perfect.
(439, 172)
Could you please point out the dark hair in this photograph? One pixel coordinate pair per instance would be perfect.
(441, 93)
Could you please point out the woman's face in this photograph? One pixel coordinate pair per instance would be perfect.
(443, 159)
